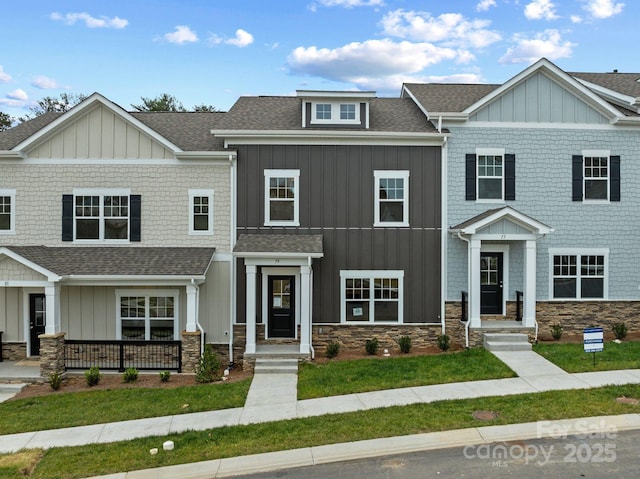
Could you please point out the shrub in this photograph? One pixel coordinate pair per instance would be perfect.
(620, 330)
(55, 381)
(333, 348)
(371, 346)
(92, 375)
(165, 376)
(443, 342)
(208, 368)
(556, 331)
(130, 375)
(405, 344)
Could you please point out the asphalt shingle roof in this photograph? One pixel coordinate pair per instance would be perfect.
(116, 261)
(625, 83)
(445, 97)
(268, 243)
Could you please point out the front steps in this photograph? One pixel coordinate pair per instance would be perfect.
(506, 342)
(276, 366)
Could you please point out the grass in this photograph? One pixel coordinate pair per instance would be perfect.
(346, 377)
(94, 407)
(572, 358)
(76, 462)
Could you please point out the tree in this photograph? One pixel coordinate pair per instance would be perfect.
(5, 121)
(164, 102)
(204, 107)
(50, 104)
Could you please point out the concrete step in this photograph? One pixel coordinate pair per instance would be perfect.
(506, 337)
(492, 346)
(11, 388)
(276, 366)
(506, 342)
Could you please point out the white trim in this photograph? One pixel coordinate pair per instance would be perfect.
(202, 193)
(26, 314)
(371, 275)
(512, 215)
(490, 152)
(335, 94)
(11, 193)
(579, 252)
(266, 272)
(51, 276)
(596, 154)
(336, 107)
(146, 293)
(119, 162)
(101, 193)
(295, 174)
(390, 174)
(504, 249)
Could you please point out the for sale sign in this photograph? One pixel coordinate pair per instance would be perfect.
(593, 340)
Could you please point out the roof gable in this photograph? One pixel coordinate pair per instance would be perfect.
(502, 221)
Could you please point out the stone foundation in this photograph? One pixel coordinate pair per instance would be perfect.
(51, 354)
(14, 351)
(190, 351)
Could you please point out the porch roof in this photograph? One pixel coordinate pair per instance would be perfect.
(293, 245)
(472, 225)
(116, 261)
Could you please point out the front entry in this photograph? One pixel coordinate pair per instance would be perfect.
(491, 283)
(37, 321)
(281, 307)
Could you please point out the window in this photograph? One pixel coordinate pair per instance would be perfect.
(200, 212)
(336, 113)
(7, 211)
(347, 111)
(371, 296)
(323, 111)
(596, 176)
(391, 203)
(147, 315)
(281, 197)
(111, 215)
(579, 275)
(490, 175)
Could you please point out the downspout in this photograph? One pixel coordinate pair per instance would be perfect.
(198, 325)
(232, 237)
(313, 351)
(468, 322)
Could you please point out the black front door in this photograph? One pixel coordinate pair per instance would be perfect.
(281, 307)
(37, 321)
(490, 283)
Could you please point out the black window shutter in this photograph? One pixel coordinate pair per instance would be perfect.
(67, 217)
(577, 177)
(509, 177)
(470, 184)
(135, 203)
(614, 178)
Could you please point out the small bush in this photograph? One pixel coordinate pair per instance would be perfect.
(130, 375)
(208, 368)
(405, 344)
(92, 375)
(165, 376)
(443, 342)
(556, 331)
(620, 330)
(371, 346)
(55, 381)
(333, 348)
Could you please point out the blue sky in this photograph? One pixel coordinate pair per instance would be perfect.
(213, 51)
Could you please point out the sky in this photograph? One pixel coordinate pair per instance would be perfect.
(213, 51)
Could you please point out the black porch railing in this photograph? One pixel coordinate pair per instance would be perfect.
(120, 355)
(464, 316)
(519, 302)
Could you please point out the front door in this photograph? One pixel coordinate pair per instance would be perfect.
(282, 317)
(37, 321)
(490, 283)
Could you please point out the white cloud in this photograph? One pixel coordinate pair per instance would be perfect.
(18, 94)
(241, 40)
(89, 21)
(4, 76)
(603, 8)
(548, 44)
(182, 34)
(351, 3)
(540, 9)
(576, 19)
(452, 29)
(484, 5)
(44, 83)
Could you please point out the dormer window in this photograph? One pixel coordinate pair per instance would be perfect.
(323, 111)
(347, 111)
(335, 109)
(336, 113)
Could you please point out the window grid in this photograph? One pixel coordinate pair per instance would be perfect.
(347, 111)
(391, 206)
(201, 213)
(323, 111)
(596, 178)
(5, 213)
(101, 217)
(281, 197)
(584, 282)
(148, 317)
(371, 296)
(490, 175)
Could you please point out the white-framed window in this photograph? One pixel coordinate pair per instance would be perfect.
(371, 296)
(490, 174)
(323, 111)
(391, 198)
(7, 212)
(579, 274)
(282, 199)
(596, 175)
(201, 212)
(101, 215)
(335, 112)
(147, 314)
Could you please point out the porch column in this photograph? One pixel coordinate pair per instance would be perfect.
(52, 308)
(305, 309)
(192, 308)
(529, 312)
(250, 346)
(474, 280)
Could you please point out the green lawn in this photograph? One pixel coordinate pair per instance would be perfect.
(94, 407)
(345, 377)
(76, 462)
(572, 358)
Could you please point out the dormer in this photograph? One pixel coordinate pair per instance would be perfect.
(335, 109)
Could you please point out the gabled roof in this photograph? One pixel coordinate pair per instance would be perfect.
(625, 83)
(443, 97)
(281, 245)
(473, 225)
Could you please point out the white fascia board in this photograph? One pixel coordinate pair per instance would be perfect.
(335, 94)
(129, 279)
(50, 275)
(87, 104)
(627, 120)
(271, 255)
(613, 96)
(515, 216)
(415, 100)
(445, 115)
(226, 155)
(11, 155)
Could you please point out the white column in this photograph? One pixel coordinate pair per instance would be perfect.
(192, 309)
(305, 309)
(474, 280)
(52, 308)
(529, 313)
(250, 299)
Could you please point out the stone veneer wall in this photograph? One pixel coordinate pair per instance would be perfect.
(190, 351)
(14, 351)
(51, 354)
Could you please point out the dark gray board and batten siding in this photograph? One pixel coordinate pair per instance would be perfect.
(337, 200)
